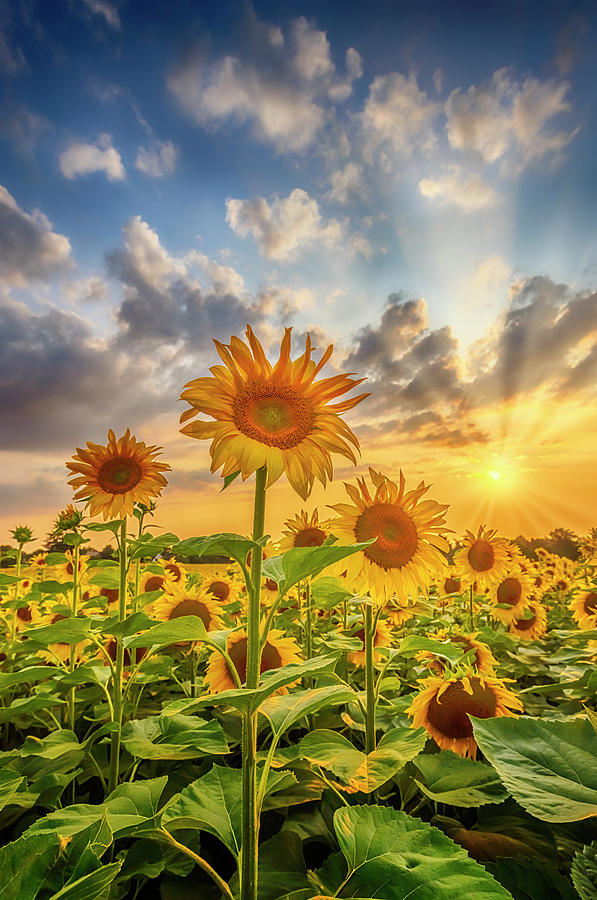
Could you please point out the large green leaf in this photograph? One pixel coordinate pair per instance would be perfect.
(25, 863)
(69, 630)
(281, 862)
(548, 767)
(411, 645)
(359, 771)
(528, 879)
(89, 886)
(283, 710)
(25, 705)
(182, 629)
(225, 544)
(173, 737)
(449, 778)
(31, 675)
(391, 855)
(213, 803)
(584, 872)
(305, 562)
(328, 592)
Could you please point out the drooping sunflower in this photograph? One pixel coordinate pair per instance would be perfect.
(584, 608)
(114, 477)
(510, 596)
(483, 557)
(443, 706)
(533, 623)
(383, 638)
(278, 651)
(409, 534)
(188, 601)
(483, 659)
(278, 416)
(303, 530)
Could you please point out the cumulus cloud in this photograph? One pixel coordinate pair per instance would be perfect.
(398, 117)
(107, 11)
(490, 274)
(157, 160)
(347, 184)
(29, 248)
(503, 114)
(284, 226)
(467, 192)
(224, 279)
(85, 159)
(279, 86)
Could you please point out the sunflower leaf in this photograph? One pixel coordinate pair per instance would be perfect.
(414, 642)
(528, 881)
(389, 854)
(114, 526)
(584, 871)
(305, 562)
(283, 710)
(448, 778)
(173, 737)
(183, 628)
(224, 544)
(548, 767)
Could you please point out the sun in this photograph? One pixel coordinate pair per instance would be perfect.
(495, 474)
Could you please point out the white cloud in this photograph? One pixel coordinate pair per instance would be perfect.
(347, 184)
(152, 261)
(490, 274)
(158, 160)
(468, 192)
(358, 244)
(312, 57)
(106, 10)
(85, 159)
(224, 279)
(84, 290)
(397, 113)
(503, 115)
(283, 227)
(29, 248)
(283, 301)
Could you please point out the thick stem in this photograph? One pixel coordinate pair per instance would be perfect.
(370, 627)
(117, 698)
(250, 816)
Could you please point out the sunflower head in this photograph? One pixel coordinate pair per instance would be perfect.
(22, 534)
(223, 587)
(483, 557)
(180, 601)
(532, 624)
(68, 519)
(278, 651)
(39, 560)
(303, 530)
(154, 581)
(112, 478)
(408, 533)
(510, 596)
(444, 704)
(275, 415)
(584, 607)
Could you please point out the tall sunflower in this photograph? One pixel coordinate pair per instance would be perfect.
(409, 534)
(188, 601)
(483, 557)
(303, 530)
(444, 704)
(114, 477)
(278, 416)
(278, 651)
(584, 608)
(510, 596)
(532, 625)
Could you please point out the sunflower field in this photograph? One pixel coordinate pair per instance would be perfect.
(366, 705)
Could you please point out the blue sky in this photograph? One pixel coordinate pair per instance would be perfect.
(172, 171)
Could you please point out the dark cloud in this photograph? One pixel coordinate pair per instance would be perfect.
(29, 248)
(38, 493)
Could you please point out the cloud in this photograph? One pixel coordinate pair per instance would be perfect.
(224, 279)
(29, 248)
(282, 227)
(397, 117)
(106, 10)
(503, 115)
(467, 192)
(490, 274)
(347, 184)
(280, 86)
(158, 160)
(12, 59)
(84, 159)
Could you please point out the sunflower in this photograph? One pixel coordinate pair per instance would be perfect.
(396, 616)
(483, 659)
(584, 608)
(303, 531)
(66, 570)
(450, 584)
(278, 651)
(383, 638)
(60, 652)
(176, 570)
(188, 601)
(533, 625)
(483, 557)
(409, 537)
(110, 649)
(154, 581)
(115, 477)
(510, 596)
(443, 706)
(38, 561)
(27, 617)
(278, 416)
(223, 587)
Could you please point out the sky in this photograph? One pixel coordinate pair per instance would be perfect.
(416, 184)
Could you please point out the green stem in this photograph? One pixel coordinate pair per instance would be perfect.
(370, 627)
(250, 815)
(117, 698)
(71, 662)
(471, 608)
(17, 591)
(202, 863)
(308, 622)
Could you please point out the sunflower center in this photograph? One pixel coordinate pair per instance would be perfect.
(525, 624)
(174, 569)
(449, 715)
(451, 585)
(155, 583)
(591, 602)
(395, 531)
(110, 593)
(191, 607)
(271, 585)
(270, 658)
(273, 414)
(561, 585)
(310, 537)
(24, 614)
(481, 556)
(509, 592)
(220, 590)
(119, 475)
